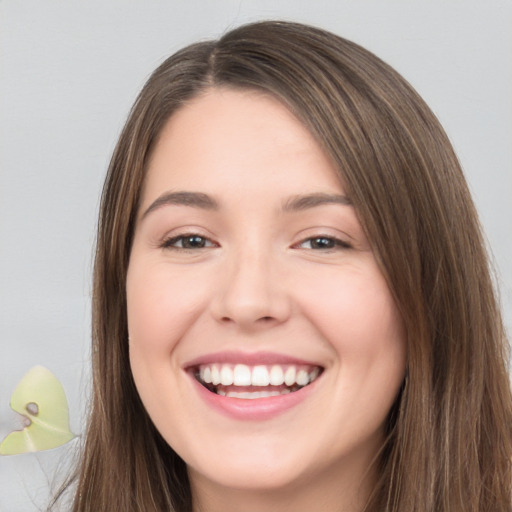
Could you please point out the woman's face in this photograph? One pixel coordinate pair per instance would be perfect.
(264, 341)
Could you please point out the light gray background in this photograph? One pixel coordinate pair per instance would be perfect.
(69, 71)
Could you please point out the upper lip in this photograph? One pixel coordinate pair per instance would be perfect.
(249, 359)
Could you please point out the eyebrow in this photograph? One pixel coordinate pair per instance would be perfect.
(304, 202)
(193, 199)
(206, 202)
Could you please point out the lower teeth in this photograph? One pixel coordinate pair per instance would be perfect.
(252, 394)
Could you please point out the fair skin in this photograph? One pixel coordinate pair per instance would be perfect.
(249, 260)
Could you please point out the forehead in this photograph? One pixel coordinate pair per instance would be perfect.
(241, 138)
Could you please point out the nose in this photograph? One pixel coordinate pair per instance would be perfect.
(251, 293)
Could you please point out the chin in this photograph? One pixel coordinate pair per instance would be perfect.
(252, 476)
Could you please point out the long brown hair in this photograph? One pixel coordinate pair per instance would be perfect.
(449, 433)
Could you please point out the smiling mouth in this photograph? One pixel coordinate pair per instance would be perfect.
(252, 382)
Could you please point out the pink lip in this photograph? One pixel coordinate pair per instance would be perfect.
(250, 359)
(258, 409)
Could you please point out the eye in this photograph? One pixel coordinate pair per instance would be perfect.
(323, 243)
(188, 241)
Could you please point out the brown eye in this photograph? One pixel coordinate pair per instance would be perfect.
(188, 242)
(193, 242)
(323, 243)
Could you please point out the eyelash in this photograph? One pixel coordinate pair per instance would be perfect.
(329, 243)
(170, 243)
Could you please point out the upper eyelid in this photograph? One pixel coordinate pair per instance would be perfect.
(325, 232)
(184, 231)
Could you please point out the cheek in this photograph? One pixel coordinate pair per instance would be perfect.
(357, 316)
(359, 320)
(161, 308)
(354, 303)
(160, 305)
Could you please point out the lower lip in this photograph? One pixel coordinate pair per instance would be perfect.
(257, 409)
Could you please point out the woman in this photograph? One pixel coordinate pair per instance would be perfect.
(292, 301)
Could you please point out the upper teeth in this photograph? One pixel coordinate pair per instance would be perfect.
(260, 375)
